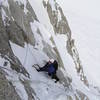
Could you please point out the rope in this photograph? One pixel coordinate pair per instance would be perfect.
(25, 59)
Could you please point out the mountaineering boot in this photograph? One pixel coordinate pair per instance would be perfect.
(56, 80)
(55, 77)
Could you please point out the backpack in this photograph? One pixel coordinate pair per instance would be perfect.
(55, 65)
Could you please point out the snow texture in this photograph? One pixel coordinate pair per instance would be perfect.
(44, 87)
(85, 23)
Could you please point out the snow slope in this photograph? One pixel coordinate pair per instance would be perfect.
(38, 81)
(44, 87)
(84, 21)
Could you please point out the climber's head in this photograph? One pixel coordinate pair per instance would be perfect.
(51, 60)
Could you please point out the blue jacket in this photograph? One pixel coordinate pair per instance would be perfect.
(51, 69)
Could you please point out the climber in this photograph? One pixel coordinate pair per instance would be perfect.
(50, 67)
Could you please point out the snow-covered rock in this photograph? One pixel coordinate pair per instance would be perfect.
(32, 32)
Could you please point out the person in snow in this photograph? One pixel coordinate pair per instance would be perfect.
(51, 67)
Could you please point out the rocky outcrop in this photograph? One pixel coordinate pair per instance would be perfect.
(81, 96)
(6, 51)
(75, 55)
(7, 90)
(17, 22)
(31, 93)
(57, 19)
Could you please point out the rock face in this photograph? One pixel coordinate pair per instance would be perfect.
(7, 90)
(29, 90)
(10, 31)
(17, 23)
(15, 27)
